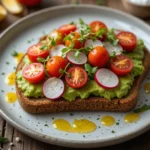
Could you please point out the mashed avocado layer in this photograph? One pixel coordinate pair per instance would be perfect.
(91, 88)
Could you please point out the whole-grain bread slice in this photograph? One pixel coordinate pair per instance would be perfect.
(44, 105)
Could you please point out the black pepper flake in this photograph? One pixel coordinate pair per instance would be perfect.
(99, 127)
(71, 114)
(7, 63)
(3, 73)
(53, 118)
(117, 123)
(84, 136)
(97, 119)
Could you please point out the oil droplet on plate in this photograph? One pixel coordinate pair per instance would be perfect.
(108, 121)
(147, 88)
(132, 117)
(11, 97)
(19, 57)
(78, 126)
(10, 79)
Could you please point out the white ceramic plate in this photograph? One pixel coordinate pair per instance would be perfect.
(27, 32)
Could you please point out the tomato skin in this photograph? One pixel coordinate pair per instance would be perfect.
(99, 57)
(67, 28)
(75, 37)
(57, 35)
(30, 2)
(127, 40)
(96, 25)
(80, 79)
(54, 64)
(36, 78)
(34, 52)
(121, 65)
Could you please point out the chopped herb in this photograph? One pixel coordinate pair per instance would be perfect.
(112, 131)
(2, 91)
(7, 63)
(84, 136)
(43, 60)
(77, 53)
(52, 118)
(90, 70)
(113, 54)
(46, 125)
(111, 37)
(97, 119)
(67, 37)
(81, 21)
(44, 47)
(29, 41)
(3, 73)
(117, 123)
(101, 32)
(62, 72)
(14, 53)
(142, 109)
(3, 140)
(72, 22)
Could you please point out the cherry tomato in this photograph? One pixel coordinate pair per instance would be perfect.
(77, 77)
(30, 2)
(34, 73)
(35, 51)
(121, 65)
(74, 38)
(96, 26)
(99, 57)
(54, 64)
(67, 28)
(57, 36)
(127, 40)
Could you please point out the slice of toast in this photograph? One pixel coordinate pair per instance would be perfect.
(44, 105)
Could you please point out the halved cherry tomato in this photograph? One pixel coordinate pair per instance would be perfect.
(35, 51)
(77, 77)
(74, 38)
(34, 73)
(67, 28)
(99, 57)
(57, 36)
(121, 65)
(54, 64)
(127, 40)
(30, 2)
(96, 26)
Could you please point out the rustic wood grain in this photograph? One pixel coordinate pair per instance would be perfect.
(28, 143)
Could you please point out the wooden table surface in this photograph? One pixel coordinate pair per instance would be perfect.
(27, 143)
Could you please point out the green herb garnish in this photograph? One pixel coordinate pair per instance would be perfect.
(111, 37)
(142, 109)
(90, 70)
(3, 140)
(62, 72)
(14, 54)
(113, 54)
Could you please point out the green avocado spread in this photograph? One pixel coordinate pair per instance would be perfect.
(91, 87)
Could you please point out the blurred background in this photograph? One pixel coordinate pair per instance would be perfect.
(13, 10)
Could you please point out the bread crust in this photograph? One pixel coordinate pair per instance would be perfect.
(44, 105)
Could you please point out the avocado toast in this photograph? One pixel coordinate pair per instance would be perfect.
(94, 94)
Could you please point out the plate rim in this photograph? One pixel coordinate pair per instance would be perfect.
(67, 142)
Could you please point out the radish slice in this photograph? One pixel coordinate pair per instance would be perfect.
(57, 50)
(53, 88)
(113, 48)
(76, 60)
(106, 78)
(93, 43)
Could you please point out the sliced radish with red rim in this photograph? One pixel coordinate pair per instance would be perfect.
(94, 43)
(53, 88)
(57, 50)
(106, 78)
(117, 49)
(76, 60)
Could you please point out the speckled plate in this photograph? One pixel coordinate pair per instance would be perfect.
(26, 32)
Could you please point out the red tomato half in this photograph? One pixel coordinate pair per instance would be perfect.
(96, 26)
(35, 51)
(121, 65)
(127, 40)
(54, 64)
(99, 57)
(34, 73)
(67, 28)
(77, 77)
(30, 2)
